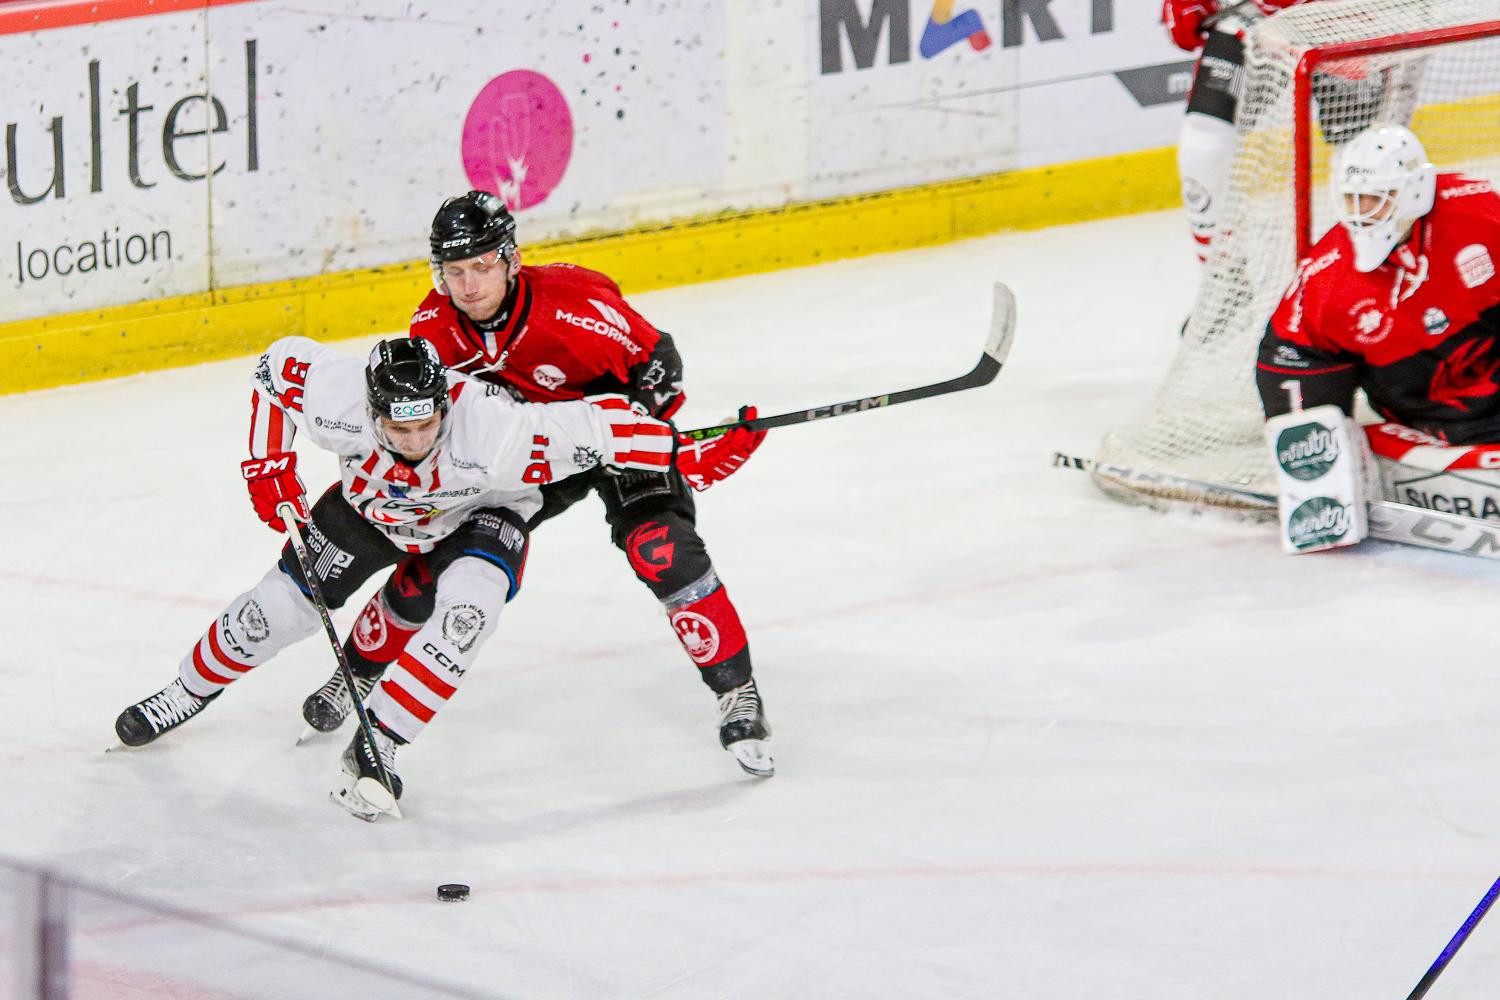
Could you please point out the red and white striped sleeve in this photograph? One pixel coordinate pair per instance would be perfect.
(276, 396)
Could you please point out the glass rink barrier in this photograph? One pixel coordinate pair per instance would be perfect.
(63, 940)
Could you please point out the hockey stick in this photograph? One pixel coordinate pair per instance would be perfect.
(1002, 330)
(1389, 521)
(1455, 943)
(288, 515)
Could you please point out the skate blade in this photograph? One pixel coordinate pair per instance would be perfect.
(308, 732)
(365, 798)
(754, 757)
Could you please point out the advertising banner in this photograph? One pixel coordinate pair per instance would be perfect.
(167, 154)
(908, 91)
(195, 145)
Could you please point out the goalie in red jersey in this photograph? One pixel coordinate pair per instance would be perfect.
(559, 332)
(1402, 300)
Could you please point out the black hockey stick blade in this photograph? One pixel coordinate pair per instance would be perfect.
(996, 348)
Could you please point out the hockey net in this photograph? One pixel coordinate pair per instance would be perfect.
(1314, 75)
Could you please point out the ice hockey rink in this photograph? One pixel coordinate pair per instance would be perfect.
(1031, 743)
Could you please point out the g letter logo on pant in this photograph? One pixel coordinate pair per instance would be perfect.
(650, 551)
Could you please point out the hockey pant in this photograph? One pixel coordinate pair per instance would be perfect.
(651, 517)
(470, 576)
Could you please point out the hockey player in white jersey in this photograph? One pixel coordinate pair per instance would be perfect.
(438, 479)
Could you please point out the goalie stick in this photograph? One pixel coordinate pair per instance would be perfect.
(1002, 329)
(383, 795)
(1389, 521)
(1455, 943)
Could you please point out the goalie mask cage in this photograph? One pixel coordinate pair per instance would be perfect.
(1314, 75)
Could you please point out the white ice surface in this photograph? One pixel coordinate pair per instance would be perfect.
(1031, 743)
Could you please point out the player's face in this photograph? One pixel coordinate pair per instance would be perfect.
(412, 439)
(1369, 209)
(478, 285)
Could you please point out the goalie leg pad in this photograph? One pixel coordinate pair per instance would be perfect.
(1423, 471)
(1323, 469)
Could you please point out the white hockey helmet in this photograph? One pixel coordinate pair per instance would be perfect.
(1382, 183)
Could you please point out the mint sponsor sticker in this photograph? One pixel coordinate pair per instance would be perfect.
(1318, 522)
(1307, 451)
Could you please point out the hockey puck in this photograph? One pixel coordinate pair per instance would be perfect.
(453, 892)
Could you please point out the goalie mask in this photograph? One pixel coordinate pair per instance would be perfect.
(471, 225)
(405, 382)
(1382, 183)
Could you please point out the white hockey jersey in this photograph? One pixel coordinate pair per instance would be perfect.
(492, 451)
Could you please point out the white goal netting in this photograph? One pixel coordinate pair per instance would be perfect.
(1203, 427)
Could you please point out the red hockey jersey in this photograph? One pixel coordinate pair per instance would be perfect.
(570, 333)
(1420, 334)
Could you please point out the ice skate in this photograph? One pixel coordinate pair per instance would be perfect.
(743, 729)
(327, 707)
(163, 711)
(361, 792)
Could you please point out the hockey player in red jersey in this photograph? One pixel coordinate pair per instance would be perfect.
(438, 480)
(1402, 300)
(1207, 142)
(558, 332)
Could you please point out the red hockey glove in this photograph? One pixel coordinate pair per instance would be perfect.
(706, 462)
(273, 481)
(1184, 20)
(639, 440)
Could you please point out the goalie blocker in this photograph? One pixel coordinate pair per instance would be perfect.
(1324, 478)
(1329, 470)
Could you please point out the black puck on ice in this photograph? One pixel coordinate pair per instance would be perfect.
(453, 892)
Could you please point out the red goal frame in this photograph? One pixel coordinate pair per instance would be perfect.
(1303, 117)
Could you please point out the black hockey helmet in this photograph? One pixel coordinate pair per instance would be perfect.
(470, 225)
(405, 380)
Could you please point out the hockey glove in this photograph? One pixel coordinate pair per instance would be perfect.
(706, 462)
(1184, 20)
(637, 439)
(273, 481)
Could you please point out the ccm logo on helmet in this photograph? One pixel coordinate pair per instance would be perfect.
(416, 410)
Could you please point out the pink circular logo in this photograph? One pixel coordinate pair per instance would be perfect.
(518, 138)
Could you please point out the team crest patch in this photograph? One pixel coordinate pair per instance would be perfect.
(548, 376)
(1370, 325)
(1436, 321)
(253, 622)
(699, 636)
(1475, 266)
(369, 630)
(462, 625)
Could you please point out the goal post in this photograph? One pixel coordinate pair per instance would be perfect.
(1314, 75)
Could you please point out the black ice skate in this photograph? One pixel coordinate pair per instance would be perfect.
(165, 710)
(743, 729)
(362, 793)
(327, 707)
